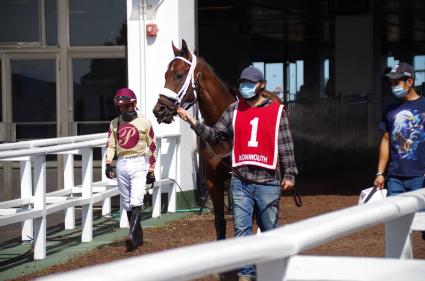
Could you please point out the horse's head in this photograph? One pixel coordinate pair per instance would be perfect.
(181, 82)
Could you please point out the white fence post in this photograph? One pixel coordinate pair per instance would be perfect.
(172, 188)
(40, 204)
(87, 192)
(398, 243)
(68, 177)
(26, 192)
(106, 204)
(274, 270)
(156, 192)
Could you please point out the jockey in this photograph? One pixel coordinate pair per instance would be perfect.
(132, 140)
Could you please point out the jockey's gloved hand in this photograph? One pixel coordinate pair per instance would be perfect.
(150, 177)
(109, 172)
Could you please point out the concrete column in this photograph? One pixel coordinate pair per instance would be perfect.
(354, 54)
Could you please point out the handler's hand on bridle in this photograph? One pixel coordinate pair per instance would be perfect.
(287, 185)
(184, 115)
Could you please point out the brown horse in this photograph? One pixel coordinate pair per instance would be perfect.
(189, 80)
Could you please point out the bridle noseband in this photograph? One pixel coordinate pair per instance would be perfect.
(190, 81)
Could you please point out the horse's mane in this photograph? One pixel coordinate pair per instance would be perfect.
(229, 86)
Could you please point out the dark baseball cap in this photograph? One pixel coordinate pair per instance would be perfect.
(252, 74)
(401, 70)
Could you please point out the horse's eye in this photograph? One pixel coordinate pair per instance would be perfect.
(179, 75)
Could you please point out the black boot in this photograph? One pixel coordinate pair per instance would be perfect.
(135, 235)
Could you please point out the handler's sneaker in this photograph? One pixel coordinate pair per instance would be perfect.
(246, 278)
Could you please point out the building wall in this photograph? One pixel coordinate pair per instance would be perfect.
(148, 58)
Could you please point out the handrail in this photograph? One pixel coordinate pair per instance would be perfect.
(270, 251)
(35, 204)
(51, 149)
(51, 141)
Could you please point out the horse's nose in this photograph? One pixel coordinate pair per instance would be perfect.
(161, 108)
(158, 109)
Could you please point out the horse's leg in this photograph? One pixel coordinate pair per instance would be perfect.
(215, 185)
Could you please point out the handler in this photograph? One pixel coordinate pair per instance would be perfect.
(132, 139)
(262, 141)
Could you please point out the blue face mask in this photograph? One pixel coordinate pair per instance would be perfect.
(247, 89)
(398, 91)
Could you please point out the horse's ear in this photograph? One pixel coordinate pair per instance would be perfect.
(185, 49)
(175, 50)
(184, 45)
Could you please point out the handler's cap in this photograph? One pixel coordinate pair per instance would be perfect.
(401, 70)
(252, 74)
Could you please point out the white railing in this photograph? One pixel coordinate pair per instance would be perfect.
(32, 208)
(275, 253)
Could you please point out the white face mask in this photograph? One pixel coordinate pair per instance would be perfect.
(399, 91)
(248, 90)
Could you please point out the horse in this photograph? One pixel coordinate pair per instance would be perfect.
(190, 80)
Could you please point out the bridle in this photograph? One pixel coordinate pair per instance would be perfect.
(190, 81)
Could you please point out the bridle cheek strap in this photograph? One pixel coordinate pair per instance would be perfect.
(190, 79)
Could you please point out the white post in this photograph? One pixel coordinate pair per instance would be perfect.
(40, 204)
(68, 176)
(397, 237)
(124, 220)
(26, 192)
(274, 270)
(87, 191)
(172, 189)
(106, 204)
(156, 192)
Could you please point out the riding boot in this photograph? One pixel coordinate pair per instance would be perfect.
(129, 216)
(135, 238)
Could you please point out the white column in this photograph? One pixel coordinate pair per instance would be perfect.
(26, 192)
(40, 204)
(68, 176)
(87, 176)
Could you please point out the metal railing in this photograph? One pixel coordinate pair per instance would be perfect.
(275, 253)
(33, 208)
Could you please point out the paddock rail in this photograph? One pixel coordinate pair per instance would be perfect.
(276, 253)
(32, 208)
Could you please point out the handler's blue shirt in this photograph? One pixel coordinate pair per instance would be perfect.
(404, 121)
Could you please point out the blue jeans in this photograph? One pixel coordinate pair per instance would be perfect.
(397, 185)
(246, 198)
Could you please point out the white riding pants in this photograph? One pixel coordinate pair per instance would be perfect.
(131, 178)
